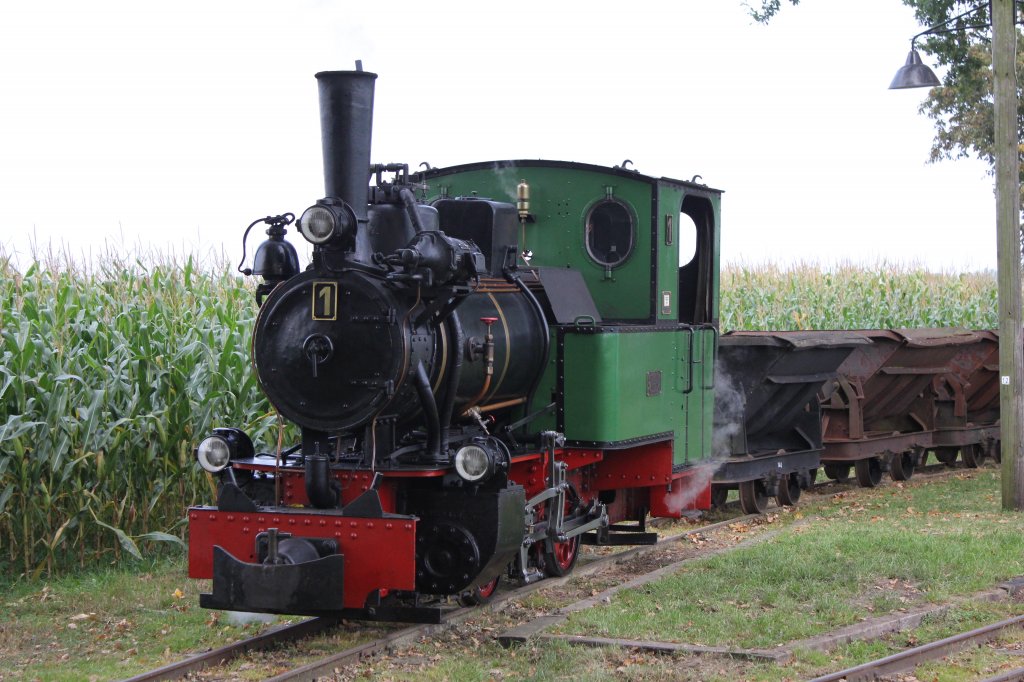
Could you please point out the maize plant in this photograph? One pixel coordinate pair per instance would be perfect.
(885, 296)
(108, 375)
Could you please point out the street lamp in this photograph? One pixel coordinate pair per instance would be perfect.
(915, 73)
(1007, 170)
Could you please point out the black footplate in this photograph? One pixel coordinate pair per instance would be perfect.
(619, 538)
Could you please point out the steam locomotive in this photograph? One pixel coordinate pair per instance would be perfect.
(492, 364)
(489, 364)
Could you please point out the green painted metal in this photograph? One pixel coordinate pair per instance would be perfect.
(602, 388)
(560, 197)
(670, 198)
(623, 385)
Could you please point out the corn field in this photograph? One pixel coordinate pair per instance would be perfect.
(110, 374)
(886, 296)
(107, 376)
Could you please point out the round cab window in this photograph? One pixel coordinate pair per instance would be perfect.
(609, 233)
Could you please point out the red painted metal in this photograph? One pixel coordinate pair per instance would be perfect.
(642, 478)
(690, 490)
(354, 482)
(530, 472)
(380, 554)
(576, 459)
(642, 466)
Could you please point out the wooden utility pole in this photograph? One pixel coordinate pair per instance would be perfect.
(1011, 339)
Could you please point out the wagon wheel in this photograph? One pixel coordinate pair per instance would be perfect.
(903, 464)
(480, 595)
(974, 455)
(869, 472)
(789, 490)
(837, 471)
(812, 476)
(946, 455)
(753, 497)
(719, 494)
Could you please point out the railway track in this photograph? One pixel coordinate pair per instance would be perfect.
(403, 636)
(406, 636)
(911, 658)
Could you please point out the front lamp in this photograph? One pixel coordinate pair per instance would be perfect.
(328, 222)
(213, 454)
(473, 463)
(318, 224)
(217, 451)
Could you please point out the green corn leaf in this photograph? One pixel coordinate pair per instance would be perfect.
(126, 542)
(157, 536)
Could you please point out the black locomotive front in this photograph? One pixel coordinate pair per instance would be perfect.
(397, 330)
(400, 351)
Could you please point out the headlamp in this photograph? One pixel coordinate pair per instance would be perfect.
(473, 463)
(318, 224)
(217, 451)
(213, 454)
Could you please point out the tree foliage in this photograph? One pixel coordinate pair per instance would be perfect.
(962, 108)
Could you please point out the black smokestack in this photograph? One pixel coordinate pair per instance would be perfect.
(346, 122)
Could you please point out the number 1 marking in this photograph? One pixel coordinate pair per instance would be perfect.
(325, 301)
(325, 294)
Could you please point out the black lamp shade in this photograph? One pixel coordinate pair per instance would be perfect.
(275, 259)
(914, 74)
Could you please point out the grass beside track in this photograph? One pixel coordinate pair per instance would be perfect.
(838, 558)
(107, 624)
(868, 554)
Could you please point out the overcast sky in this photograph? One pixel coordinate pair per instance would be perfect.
(174, 125)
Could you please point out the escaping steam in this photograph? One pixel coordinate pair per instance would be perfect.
(730, 405)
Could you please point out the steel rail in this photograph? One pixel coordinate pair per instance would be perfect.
(1014, 675)
(905, 660)
(285, 633)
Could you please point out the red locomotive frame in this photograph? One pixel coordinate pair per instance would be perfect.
(642, 479)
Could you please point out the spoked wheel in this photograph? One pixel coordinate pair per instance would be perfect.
(946, 455)
(753, 497)
(903, 464)
(563, 558)
(837, 471)
(479, 595)
(869, 472)
(789, 490)
(719, 494)
(974, 455)
(563, 555)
